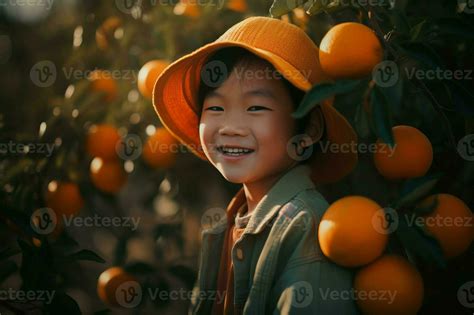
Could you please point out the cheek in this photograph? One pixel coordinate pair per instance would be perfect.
(274, 135)
(204, 133)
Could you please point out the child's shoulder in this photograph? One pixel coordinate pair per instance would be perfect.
(307, 206)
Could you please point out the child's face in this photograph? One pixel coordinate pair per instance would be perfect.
(248, 111)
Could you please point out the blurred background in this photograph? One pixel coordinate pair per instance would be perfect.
(78, 134)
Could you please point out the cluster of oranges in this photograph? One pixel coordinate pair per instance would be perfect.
(353, 232)
(106, 170)
(159, 149)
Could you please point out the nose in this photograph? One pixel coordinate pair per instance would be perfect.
(233, 125)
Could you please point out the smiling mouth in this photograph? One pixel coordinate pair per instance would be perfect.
(233, 151)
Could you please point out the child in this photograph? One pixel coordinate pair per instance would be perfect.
(230, 103)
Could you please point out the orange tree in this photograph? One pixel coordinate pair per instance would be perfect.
(393, 66)
(401, 76)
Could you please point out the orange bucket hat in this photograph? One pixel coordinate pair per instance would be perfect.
(292, 52)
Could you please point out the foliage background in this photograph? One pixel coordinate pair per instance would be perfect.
(171, 202)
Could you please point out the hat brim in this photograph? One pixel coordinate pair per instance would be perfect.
(175, 101)
(338, 156)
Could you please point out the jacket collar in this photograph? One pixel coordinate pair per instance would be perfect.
(289, 185)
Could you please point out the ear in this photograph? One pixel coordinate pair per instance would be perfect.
(315, 126)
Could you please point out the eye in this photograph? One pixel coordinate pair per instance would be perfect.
(256, 107)
(215, 108)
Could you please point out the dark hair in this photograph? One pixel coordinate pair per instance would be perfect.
(231, 56)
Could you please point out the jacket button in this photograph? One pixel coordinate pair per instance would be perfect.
(240, 253)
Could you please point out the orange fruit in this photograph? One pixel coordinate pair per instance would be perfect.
(160, 149)
(237, 5)
(105, 33)
(187, 8)
(108, 283)
(347, 235)
(102, 82)
(148, 74)
(451, 223)
(396, 287)
(107, 176)
(101, 141)
(64, 198)
(411, 157)
(349, 51)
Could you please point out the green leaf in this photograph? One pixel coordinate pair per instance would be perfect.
(416, 30)
(453, 27)
(85, 254)
(422, 53)
(382, 121)
(394, 95)
(321, 92)
(415, 189)
(425, 210)
(282, 7)
(419, 244)
(313, 7)
(400, 21)
(361, 122)
(63, 304)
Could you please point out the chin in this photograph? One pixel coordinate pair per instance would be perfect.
(233, 176)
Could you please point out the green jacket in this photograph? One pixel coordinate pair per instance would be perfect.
(279, 268)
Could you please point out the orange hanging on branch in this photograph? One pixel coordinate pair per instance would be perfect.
(350, 51)
(148, 74)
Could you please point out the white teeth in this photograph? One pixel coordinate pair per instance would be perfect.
(235, 151)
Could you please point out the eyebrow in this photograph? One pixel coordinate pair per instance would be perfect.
(258, 92)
